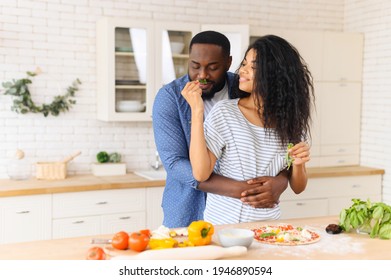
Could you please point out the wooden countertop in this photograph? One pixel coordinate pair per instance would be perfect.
(350, 246)
(77, 183)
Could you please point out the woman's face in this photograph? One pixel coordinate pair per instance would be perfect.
(247, 72)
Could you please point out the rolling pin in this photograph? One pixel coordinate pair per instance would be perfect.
(210, 252)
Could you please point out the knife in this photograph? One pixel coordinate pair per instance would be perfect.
(100, 241)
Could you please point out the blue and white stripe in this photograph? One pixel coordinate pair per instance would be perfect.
(244, 151)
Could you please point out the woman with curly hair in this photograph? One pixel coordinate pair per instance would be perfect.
(248, 137)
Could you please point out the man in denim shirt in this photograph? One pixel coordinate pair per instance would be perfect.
(184, 197)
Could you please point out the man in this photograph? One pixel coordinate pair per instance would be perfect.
(184, 197)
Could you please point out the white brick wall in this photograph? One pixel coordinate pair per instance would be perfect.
(59, 36)
(373, 18)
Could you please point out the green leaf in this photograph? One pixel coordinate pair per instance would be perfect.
(385, 232)
(377, 213)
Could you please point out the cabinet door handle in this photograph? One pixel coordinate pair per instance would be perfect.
(300, 203)
(23, 212)
(356, 186)
(341, 150)
(101, 203)
(78, 222)
(125, 218)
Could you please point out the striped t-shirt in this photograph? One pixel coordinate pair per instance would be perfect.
(244, 151)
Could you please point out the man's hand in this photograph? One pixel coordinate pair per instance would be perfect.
(266, 191)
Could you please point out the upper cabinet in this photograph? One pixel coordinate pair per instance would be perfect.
(125, 69)
(342, 56)
(136, 58)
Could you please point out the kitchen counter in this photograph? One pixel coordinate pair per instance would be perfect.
(330, 247)
(76, 183)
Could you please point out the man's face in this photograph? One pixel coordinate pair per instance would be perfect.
(207, 62)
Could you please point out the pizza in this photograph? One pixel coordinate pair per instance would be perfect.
(285, 235)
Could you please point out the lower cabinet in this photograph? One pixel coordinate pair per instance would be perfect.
(25, 218)
(98, 212)
(154, 207)
(63, 215)
(328, 196)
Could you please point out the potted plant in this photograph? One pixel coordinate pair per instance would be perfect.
(108, 164)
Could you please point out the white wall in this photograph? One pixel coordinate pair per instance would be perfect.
(373, 18)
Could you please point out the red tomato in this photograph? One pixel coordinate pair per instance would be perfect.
(138, 241)
(96, 253)
(120, 240)
(147, 232)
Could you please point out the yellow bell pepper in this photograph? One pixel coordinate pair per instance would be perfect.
(200, 233)
(162, 243)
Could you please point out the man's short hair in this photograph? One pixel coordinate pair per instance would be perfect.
(214, 38)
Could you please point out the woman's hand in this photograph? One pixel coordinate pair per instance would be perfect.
(192, 93)
(300, 153)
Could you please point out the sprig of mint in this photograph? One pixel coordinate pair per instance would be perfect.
(376, 217)
(203, 81)
(288, 157)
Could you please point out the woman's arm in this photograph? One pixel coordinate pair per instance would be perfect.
(202, 160)
(298, 179)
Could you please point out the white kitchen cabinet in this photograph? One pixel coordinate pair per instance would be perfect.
(342, 56)
(328, 196)
(136, 58)
(98, 212)
(340, 121)
(125, 69)
(25, 218)
(154, 205)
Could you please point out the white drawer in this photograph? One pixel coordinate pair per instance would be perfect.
(328, 150)
(350, 186)
(303, 208)
(340, 160)
(98, 202)
(129, 222)
(78, 226)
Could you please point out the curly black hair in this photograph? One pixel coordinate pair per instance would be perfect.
(284, 86)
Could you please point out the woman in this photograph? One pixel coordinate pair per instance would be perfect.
(249, 135)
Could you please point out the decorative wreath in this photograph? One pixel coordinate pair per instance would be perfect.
(23, 103)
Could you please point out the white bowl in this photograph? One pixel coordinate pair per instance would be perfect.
(130, 106)
(177, 47)
(235, 237)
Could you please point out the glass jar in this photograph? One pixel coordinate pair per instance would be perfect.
(19, 169)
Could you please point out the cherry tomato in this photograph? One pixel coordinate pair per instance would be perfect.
(96, 253)
(147, 232)
(138, 241)
(120, 240)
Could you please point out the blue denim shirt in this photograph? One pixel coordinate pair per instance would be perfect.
(171, 117)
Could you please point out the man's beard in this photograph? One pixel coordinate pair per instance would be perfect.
(209, 95)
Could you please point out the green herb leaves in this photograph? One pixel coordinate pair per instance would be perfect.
(23, 103)
(288, 157)
(203, 81)
(104, 157)
(374, 218)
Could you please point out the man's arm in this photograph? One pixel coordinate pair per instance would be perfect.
(260, 192)
(170, 138)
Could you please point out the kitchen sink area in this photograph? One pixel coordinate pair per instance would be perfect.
(160, 174)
